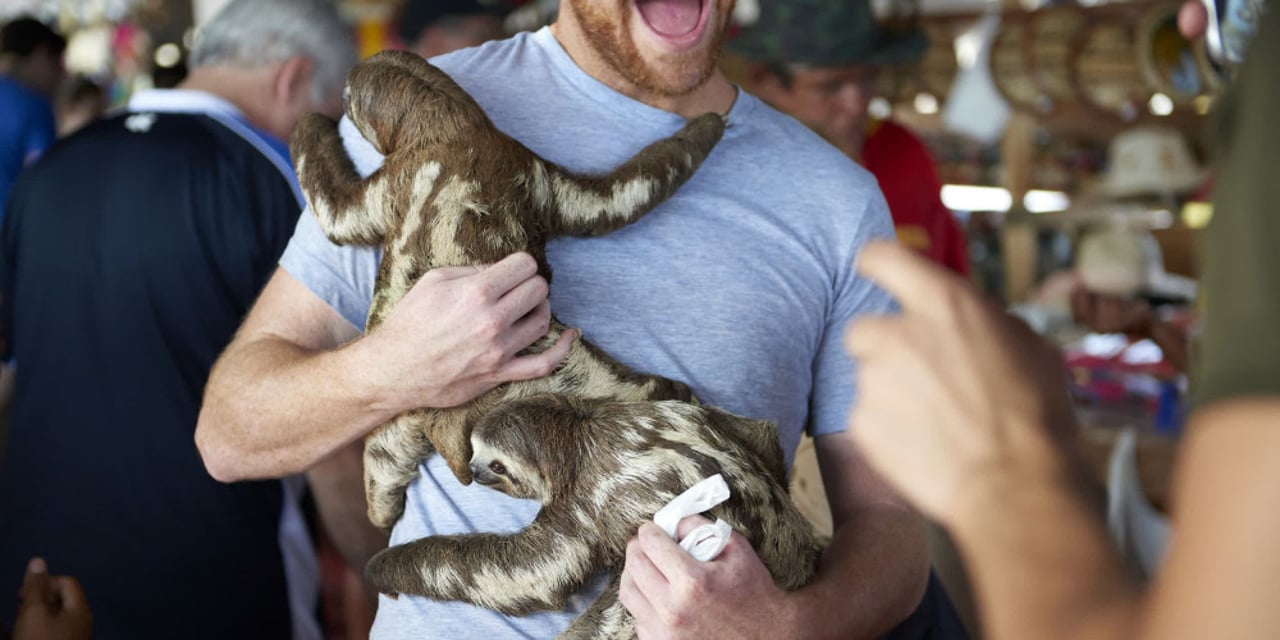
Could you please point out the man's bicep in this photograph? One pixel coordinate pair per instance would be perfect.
(287, 310)
(850, 482)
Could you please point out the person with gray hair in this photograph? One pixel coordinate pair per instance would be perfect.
(128, 257)
(302, 46)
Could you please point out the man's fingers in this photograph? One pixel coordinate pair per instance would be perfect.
(640, 570)
(522, 297)
(688, 524)
(649, 589)
(510, 271)
(528, 329)
(501, 275)
(867, 334)
(71, 594)
(911, 278)
(539, 364)
(454, 273)
(667, 556)
(35, 585)
(632, 596)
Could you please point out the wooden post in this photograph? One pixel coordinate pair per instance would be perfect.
(1018, 234)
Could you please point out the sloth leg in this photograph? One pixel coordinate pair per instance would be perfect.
(534, 570)
(596, 205)
(391, 457)
(606, 619)
(349, 209)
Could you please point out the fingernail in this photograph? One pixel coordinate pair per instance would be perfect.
(37, 565)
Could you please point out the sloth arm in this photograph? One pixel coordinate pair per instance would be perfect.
(537, 569)
(596, 205)
(349, 208)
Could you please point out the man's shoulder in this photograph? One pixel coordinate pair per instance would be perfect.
(481, 58)
(184, 146)
(150, 137)
(793, 176)
(798, 156)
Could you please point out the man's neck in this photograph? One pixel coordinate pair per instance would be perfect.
(242, 88)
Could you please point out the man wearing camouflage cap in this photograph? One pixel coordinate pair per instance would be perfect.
(817, 61)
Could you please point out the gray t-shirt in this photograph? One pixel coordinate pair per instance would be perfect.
(740, 285)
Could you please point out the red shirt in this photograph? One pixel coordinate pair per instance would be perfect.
(905, 171)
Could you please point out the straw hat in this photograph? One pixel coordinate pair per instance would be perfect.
(1150, 160)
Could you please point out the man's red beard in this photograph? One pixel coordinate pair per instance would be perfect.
(612, 41)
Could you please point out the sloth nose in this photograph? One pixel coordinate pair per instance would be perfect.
(480, 474)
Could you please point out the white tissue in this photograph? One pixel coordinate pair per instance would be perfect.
(707, 541)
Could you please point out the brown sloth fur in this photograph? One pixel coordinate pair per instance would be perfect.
(454, 190)
(599, 469)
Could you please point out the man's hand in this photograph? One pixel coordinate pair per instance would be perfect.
(953, 394)
(52, 607)
(456, 334)
(672, 595)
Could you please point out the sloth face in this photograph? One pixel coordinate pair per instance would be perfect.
(509, 474)
(505, 456)
(525, 448)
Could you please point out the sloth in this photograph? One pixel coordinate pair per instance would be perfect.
(456, 191)
(600, 469)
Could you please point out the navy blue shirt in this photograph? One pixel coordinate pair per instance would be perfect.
(129, 257)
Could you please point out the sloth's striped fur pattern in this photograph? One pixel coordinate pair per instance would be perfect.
(599, 469)
(454, 190)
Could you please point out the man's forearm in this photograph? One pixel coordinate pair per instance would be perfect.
(272, 408)
(1044, 565)
(871, 577)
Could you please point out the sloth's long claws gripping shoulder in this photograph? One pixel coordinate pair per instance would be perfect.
(596, 205)
(534, 570)
(345, 204)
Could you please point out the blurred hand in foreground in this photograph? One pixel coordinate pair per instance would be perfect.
(954, 395)
(52, 607)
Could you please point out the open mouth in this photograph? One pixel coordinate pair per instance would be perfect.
(680, 23)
